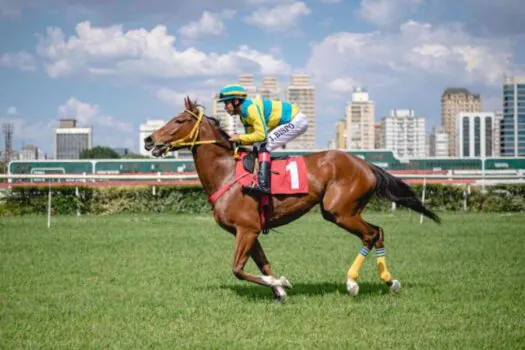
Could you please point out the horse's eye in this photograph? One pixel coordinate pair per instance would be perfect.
(178, 121)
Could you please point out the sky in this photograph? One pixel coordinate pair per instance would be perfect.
(113, 65)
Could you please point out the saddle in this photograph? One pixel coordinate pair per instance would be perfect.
(250, 160)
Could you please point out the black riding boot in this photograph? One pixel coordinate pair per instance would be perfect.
(264, 177)
(263, 186)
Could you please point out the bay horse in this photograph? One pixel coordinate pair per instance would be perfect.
(342, 184)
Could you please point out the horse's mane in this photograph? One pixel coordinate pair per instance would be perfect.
(214, 121)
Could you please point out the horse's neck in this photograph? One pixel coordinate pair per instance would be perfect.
(214, 165)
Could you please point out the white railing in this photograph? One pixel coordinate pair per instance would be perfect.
(78, 180)
(85, 176)
(489, 177)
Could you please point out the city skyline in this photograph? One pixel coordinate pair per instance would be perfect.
(113, 67)
(272, 88)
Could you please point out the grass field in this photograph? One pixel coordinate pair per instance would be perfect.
(148, 281)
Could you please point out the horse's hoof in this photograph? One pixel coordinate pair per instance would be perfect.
(284, 282)
(352, 287)
(279, 294)
(395, 286)
(280, 299)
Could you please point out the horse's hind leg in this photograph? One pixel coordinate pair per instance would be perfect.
(382, 269)
(371, 236)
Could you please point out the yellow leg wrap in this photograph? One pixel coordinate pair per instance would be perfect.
(353, 272)
(382, 270)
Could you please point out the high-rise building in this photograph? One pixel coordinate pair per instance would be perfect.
(71, 140)
(340, 134)
(301, 92)
(498, 119)
(360, 121)
(427, 145)
(31, 152)
(474, 132)
(227, 121)
(8, 129)
(377, 135)
(454, 101)
(403, 133)
(512, 133)
(438, 146)
(270, 88)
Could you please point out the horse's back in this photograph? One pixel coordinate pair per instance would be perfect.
(330, 166)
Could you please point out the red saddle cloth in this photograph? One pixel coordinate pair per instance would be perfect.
(288, 175)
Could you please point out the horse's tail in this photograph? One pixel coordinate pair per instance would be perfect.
(394, 189)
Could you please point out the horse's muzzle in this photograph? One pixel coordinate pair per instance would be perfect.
(148, 143)
(159, 150)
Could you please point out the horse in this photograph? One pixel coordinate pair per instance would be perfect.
(340, 183)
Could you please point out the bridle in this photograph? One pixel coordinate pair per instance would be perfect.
(191, 139)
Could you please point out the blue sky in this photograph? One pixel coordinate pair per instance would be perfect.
(113, 65)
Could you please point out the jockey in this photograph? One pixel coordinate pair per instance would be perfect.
(269, 124)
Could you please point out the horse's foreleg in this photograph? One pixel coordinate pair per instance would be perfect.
(245, 240)
(257, 254)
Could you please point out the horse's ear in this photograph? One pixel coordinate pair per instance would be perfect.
(186, 102)
(191, 105)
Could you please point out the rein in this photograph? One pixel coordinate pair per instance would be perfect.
(194, 135)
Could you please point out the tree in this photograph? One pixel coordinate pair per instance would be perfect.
(135, 156)
(99, 152)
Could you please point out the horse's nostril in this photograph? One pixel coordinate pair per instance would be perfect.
(148, 143)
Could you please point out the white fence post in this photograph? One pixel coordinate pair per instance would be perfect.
(423, 198)
(49, 207)
(77, 194)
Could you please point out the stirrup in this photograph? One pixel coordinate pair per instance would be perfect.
(253, 189)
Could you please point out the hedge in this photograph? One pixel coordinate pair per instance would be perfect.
(193, 200)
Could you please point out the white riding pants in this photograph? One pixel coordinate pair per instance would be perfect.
(285, 133)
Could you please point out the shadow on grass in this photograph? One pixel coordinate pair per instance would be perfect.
(257, 293)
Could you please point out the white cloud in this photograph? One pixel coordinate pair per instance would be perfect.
(214, 82)
(279, 18)
(88, 115)
(268, 64)
(139, 52)
(343, 85)
(21, 60)
(12, 111)
(416, 49)
(38, 134)
(175, 98)
(210, 24)
(385, 12)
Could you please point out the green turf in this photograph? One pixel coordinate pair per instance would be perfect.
(148, 281)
